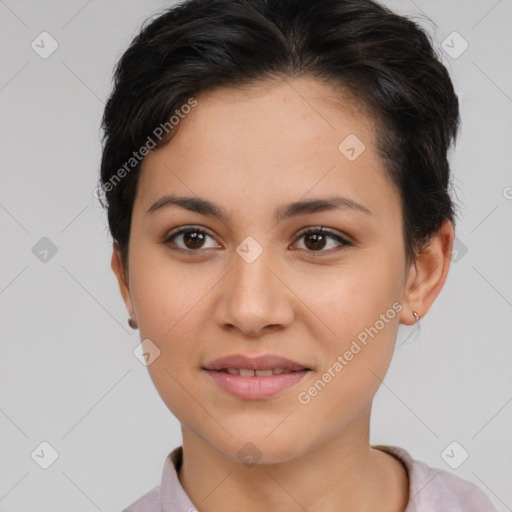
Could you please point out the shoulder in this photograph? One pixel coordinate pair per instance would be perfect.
(151, 501)
(432, 488)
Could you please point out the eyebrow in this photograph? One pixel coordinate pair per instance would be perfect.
(205, 207)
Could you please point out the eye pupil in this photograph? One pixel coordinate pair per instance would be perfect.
(316, 243)
(195, 238)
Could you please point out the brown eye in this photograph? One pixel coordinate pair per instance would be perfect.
(317, 239)
(192, 239)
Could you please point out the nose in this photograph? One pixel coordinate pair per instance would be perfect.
(254, 298)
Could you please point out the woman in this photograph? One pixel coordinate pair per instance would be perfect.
(276, 178)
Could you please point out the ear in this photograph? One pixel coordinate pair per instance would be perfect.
(122, 279)
(428, 274)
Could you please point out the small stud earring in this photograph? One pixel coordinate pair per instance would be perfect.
(132, 323)
(414, 334)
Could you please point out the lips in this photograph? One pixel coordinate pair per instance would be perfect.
(261, 363)
(255, 378)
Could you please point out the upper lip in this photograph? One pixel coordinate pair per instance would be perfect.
(263, 362)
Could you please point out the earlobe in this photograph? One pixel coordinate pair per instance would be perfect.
(121, 275)
(428, 274)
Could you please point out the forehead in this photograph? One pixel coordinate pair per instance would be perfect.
(278, 141)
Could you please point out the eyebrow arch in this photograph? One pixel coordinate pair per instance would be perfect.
(205, 207)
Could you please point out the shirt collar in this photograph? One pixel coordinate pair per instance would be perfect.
(418, 473)
(174, 497)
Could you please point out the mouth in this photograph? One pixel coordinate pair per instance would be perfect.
(255, 378)
(246, 372)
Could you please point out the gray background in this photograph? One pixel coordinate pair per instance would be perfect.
(67, 372)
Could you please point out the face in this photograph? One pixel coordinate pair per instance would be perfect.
(254, 284)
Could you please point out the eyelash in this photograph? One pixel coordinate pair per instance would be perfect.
(323, 231)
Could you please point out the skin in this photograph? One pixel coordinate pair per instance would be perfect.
(250, 152)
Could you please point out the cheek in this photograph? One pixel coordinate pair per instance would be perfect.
(348, 299)
(359, 309)
(350, 376)
(166, 292)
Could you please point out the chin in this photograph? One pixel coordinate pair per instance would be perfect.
(258, 448)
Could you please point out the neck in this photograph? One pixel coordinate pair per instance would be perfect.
(342, 474)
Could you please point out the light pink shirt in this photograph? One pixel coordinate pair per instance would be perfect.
(430, 489)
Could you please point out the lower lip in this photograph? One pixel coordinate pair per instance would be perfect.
(255, 388)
